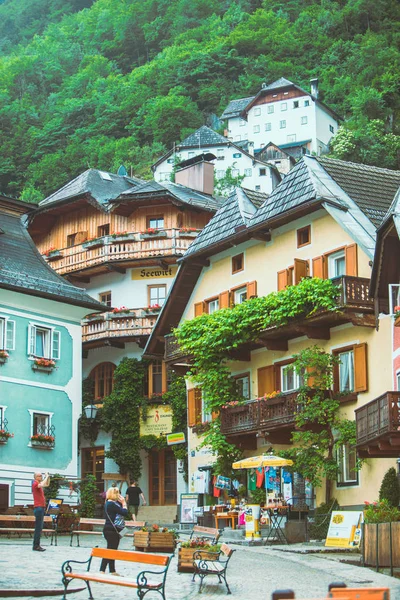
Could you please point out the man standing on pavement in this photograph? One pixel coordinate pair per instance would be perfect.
(39, 507)
(133, 496)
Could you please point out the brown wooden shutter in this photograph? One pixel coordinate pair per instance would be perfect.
(251, 289)
(199, 308)
(360, 368)
(266, 380)
(164, 382)
(283, 279)
(224, 300)
(310, 380)
(318, 265)
(194, 406)
(214, 415)
(351, 260)
(300, 270)
(198, 405)
(81, 237)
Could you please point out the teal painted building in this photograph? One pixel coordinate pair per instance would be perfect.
(40, 362)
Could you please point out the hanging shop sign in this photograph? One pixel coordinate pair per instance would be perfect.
(175, 438)
(345, 529)
(151, 273)
(158, 421)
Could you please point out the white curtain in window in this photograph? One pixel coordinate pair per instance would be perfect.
(346, 371)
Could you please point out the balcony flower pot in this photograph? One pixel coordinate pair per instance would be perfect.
(96, 243)
(154, 541)
(187, 234)
(53, 255)
(397, 321)
(148, 235)
(3, 356)
(93, 318)
(123, 237)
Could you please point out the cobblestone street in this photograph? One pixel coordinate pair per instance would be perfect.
(254, 573)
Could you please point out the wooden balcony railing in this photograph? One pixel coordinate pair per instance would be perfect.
(172, 351)
(119, 326)
(116, 250)
(354, 292)
(378, 425)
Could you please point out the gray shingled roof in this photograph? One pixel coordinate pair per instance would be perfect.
(202, 137)
(279, 83)
(372, 188)
(102, 186)
(24, 270)
(236, 212)
(179, 192)
(235, 107)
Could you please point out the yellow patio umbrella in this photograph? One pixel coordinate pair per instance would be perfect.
(265, 460)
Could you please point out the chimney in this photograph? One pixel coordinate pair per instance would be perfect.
(314, 87)
(250, 149)
(197, 173)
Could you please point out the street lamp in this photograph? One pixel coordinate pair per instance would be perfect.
(90, 411)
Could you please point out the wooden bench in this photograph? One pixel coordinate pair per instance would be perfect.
(76, 527)
(211, 534)
(144, 581)
(20, 524)
(212, 566)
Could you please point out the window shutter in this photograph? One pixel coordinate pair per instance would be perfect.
(310, 380)
(191, 408)
(283, 279)
(318, 266)
(55, 345)
(10, 335)
(198, 405)
(199, 308)
(164, 378)
(351, 260)
(224, 300)
(251, 289)
(360, 368)
(81, 237)
(266, 380)
(31, 340)
(300, 270)
(214, 415)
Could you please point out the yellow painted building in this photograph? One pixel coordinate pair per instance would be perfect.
(319, 222)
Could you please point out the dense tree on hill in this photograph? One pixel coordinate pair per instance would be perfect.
(96, 83)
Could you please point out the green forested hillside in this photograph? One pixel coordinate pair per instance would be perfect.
(121, 80)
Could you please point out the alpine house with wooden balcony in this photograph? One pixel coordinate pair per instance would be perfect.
(120, 238)
(319, 222)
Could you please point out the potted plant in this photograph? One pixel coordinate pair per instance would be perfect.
(94, 242)
(40, 440)
(381, 534)
(3, 356)
(93, 318)
(155, 539)
(44, 364)
(5, 436)
(153, 309)
(120, 312)
(187, 549)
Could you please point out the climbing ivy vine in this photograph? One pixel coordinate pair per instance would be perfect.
(210, 339)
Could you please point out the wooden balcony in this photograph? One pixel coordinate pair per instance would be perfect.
(378, 427)
(173, 355)
(115, 329)
(108, 253)
(354, 306)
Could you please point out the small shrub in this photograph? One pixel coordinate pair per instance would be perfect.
(381, 512)
(390, 489)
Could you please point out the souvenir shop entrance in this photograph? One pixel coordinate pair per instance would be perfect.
(162, 477)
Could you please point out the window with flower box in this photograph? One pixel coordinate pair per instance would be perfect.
(157, 378)
(105, 298)
(103, 230)
(42, 430)
(43, 342)
(156, 295)
(156, 222)
(242, 382)
(7, 333)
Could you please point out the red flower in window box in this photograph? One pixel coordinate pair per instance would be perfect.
(4, 354)
(121, 309)
(5, 435)
(45, 362)
(151, 230)
(39, 437)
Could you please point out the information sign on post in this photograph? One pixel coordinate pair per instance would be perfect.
(189, 504)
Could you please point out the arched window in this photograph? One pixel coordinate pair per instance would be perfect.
(103, 377)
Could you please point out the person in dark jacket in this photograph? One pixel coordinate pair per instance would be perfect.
(115, 505)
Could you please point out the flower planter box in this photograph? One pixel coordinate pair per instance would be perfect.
(54, 255)
(42, 368)
(4, 440)
(152, 541)
(120, 315)
(188, 234)
(94, 319)
(185, 558)
(377, 550)
(397, 321)
(153, 236)
(42, 445)
(94, 244)
(3, 360)
(130, 237)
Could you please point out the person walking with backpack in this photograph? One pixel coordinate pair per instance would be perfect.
(115, 511)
